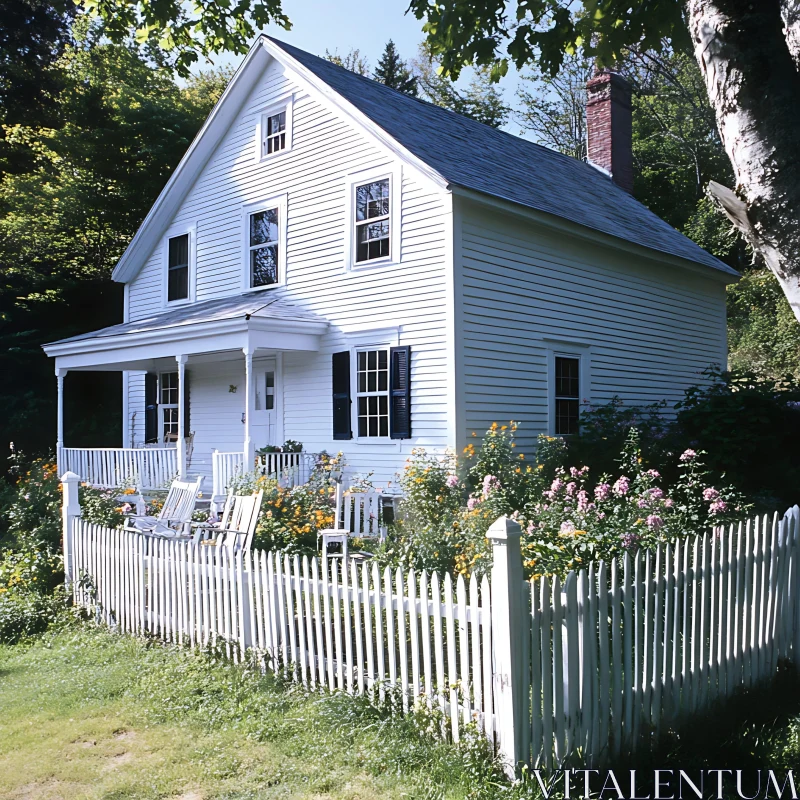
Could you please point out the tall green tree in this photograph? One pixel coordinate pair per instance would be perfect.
(392, 71)
(122, 126)
(749, 58)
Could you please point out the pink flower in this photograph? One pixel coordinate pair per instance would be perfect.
(654, 522)
(717, 507)
(601, 515)
(570, 488)
(126, 508)
(452, 481)
(602, 491)
(472, 503)
(583, 501)
(568, 526)
(490, 484)
(656, 493)
(653, 473)
(668, 503)
(687, 455)
(630, 540)
(622, 486)
(557, 485)
(710, 494)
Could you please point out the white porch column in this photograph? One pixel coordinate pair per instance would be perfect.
(60, 373)
(181, 443)
(249, 386)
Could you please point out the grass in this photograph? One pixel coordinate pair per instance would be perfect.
(89, 714)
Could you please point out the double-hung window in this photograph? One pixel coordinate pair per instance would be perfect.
(372, 220)
(372, 392)
(178, 254)
(263, 231)
(567, 394)
(168, 404)
(273, 127)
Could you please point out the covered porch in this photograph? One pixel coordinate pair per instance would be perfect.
(201, 393)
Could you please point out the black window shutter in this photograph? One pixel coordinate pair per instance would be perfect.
(150, 408)
(341, 396)
(400, 391)
(187, 417)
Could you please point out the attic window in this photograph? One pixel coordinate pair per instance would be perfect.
(275, 130)
(178, 268)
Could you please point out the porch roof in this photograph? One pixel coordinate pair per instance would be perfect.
(253, 320)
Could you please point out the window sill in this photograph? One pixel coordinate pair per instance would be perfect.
(173, 303)
(266, 287)
(378, 440)
(375, 263)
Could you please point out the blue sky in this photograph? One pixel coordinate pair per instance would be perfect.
(320, 25)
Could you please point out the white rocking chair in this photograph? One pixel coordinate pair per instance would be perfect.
(176, 514)
(238, 525)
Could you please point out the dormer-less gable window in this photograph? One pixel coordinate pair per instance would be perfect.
(373, 220)
(274, 133)
(178, 257)
(274, 126)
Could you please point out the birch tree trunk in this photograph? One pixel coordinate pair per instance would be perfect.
(747, 52)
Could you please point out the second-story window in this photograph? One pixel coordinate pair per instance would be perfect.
(263, 233)
(372, 220)
(178, 268)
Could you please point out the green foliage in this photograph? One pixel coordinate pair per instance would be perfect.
(353, 60)
(186, 33)
(393, 72)
(81, 183)
(763, 332)
(749, 427)
(495, 32)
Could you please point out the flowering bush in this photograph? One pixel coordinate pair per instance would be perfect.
(568, 519)
(291, 517)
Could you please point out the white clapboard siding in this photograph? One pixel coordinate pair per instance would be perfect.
(345, 630)
(409, 296)
(647, 329)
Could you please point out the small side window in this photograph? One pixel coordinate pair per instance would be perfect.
(178, 268)
(567, 395)
(263, 230)
(274, 129)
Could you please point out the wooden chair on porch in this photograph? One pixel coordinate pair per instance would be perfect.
(238, 524)
(175, 515)
(357, 516)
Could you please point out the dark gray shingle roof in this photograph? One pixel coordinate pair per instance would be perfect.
(244, 305)
(477, 157)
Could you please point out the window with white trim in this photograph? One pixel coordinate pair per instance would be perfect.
(263, 232)
(372, 393)
(273, 132)
(567, 394)
(178, 255)
(168, 406)
(372, 220)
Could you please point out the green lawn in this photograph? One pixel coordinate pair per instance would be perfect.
(89, 714)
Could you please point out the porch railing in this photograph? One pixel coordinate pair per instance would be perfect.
(291, 469)
(114, 467)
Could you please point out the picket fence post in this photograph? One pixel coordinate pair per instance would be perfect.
(510, 653)
(70, 510)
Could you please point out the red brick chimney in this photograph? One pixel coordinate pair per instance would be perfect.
(608, 126)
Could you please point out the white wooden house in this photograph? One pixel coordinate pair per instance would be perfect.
(336, 263)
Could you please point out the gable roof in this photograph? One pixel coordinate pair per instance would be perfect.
(483, 159)
(453, 150)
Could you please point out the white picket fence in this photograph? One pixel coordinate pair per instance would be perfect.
(617, 652)
(114, 467)
(591, 668)
(355, 629)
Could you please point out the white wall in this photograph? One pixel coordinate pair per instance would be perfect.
(410, 294)
(651, 328)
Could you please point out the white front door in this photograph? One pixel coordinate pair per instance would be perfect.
(266, 406)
